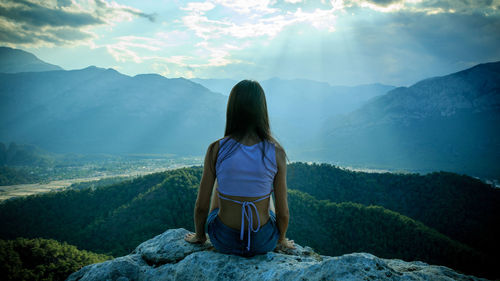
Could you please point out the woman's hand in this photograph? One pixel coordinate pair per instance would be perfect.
(193, 238)
(285, 244)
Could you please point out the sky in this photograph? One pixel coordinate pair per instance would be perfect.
(342, 42)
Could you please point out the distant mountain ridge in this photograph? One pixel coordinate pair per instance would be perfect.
(100, 110)
(15, 60)
(473, 90)
(442, 123)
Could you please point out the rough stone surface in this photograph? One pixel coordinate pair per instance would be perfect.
(168, 257)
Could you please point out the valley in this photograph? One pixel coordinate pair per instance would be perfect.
(92, 171)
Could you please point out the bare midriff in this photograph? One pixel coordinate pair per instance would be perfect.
(230, 212)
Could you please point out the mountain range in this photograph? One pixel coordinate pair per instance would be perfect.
(95, 110)
(442, 123)
(102, 110)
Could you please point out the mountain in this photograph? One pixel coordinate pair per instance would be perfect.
(168, 257)
(445, 123)
(96, 110)
(442, 123)
(15, 60)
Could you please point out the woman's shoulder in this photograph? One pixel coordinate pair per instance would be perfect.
(277, 145)
(279, 152)
(214, 146)
(218, 141)
(213, 151)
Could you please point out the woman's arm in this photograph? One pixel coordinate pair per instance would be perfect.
(204, 193)
(280, 192)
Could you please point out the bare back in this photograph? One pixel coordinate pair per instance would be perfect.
(230, 212)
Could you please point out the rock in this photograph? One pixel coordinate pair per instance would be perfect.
(168, 257)
(168, 247)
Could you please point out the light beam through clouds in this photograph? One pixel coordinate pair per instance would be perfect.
(346, 42)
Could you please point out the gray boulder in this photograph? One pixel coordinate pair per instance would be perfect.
(168, 257)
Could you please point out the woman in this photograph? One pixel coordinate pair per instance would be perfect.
(242, 168)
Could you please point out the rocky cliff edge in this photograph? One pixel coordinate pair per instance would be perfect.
(168, 257)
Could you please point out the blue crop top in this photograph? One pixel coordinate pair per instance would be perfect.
(242, 170)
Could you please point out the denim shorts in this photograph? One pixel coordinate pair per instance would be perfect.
(227, 240)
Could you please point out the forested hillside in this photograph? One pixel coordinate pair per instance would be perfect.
(42, 259)
(115, 219)
(62, 215)
(339, 228)
(458, 206)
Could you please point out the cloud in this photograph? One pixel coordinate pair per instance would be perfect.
(128, 47)
(413, 46)
(116, 12)
(340, 41)
(163, 51)
(64, 3)
(58, 22)
(263, 20)
(487, 7)
(30, 13)
(397, 47)
(246, 7)
(22, 34)
(199, 6)
(384, 2)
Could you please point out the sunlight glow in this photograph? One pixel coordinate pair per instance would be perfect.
(262, 38)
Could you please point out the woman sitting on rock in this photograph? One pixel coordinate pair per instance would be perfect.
(243, 169)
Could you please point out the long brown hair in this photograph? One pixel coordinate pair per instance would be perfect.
(247, 113)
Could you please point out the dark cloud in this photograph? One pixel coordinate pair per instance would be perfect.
(437, 6)
(463, 6)
(29, 22)
(383, 3)
(471, 36)
(23, 35)
(150, 17)
(14, 36)
(104, 9)
(422, 45)
(38, 15)
(64, 3)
